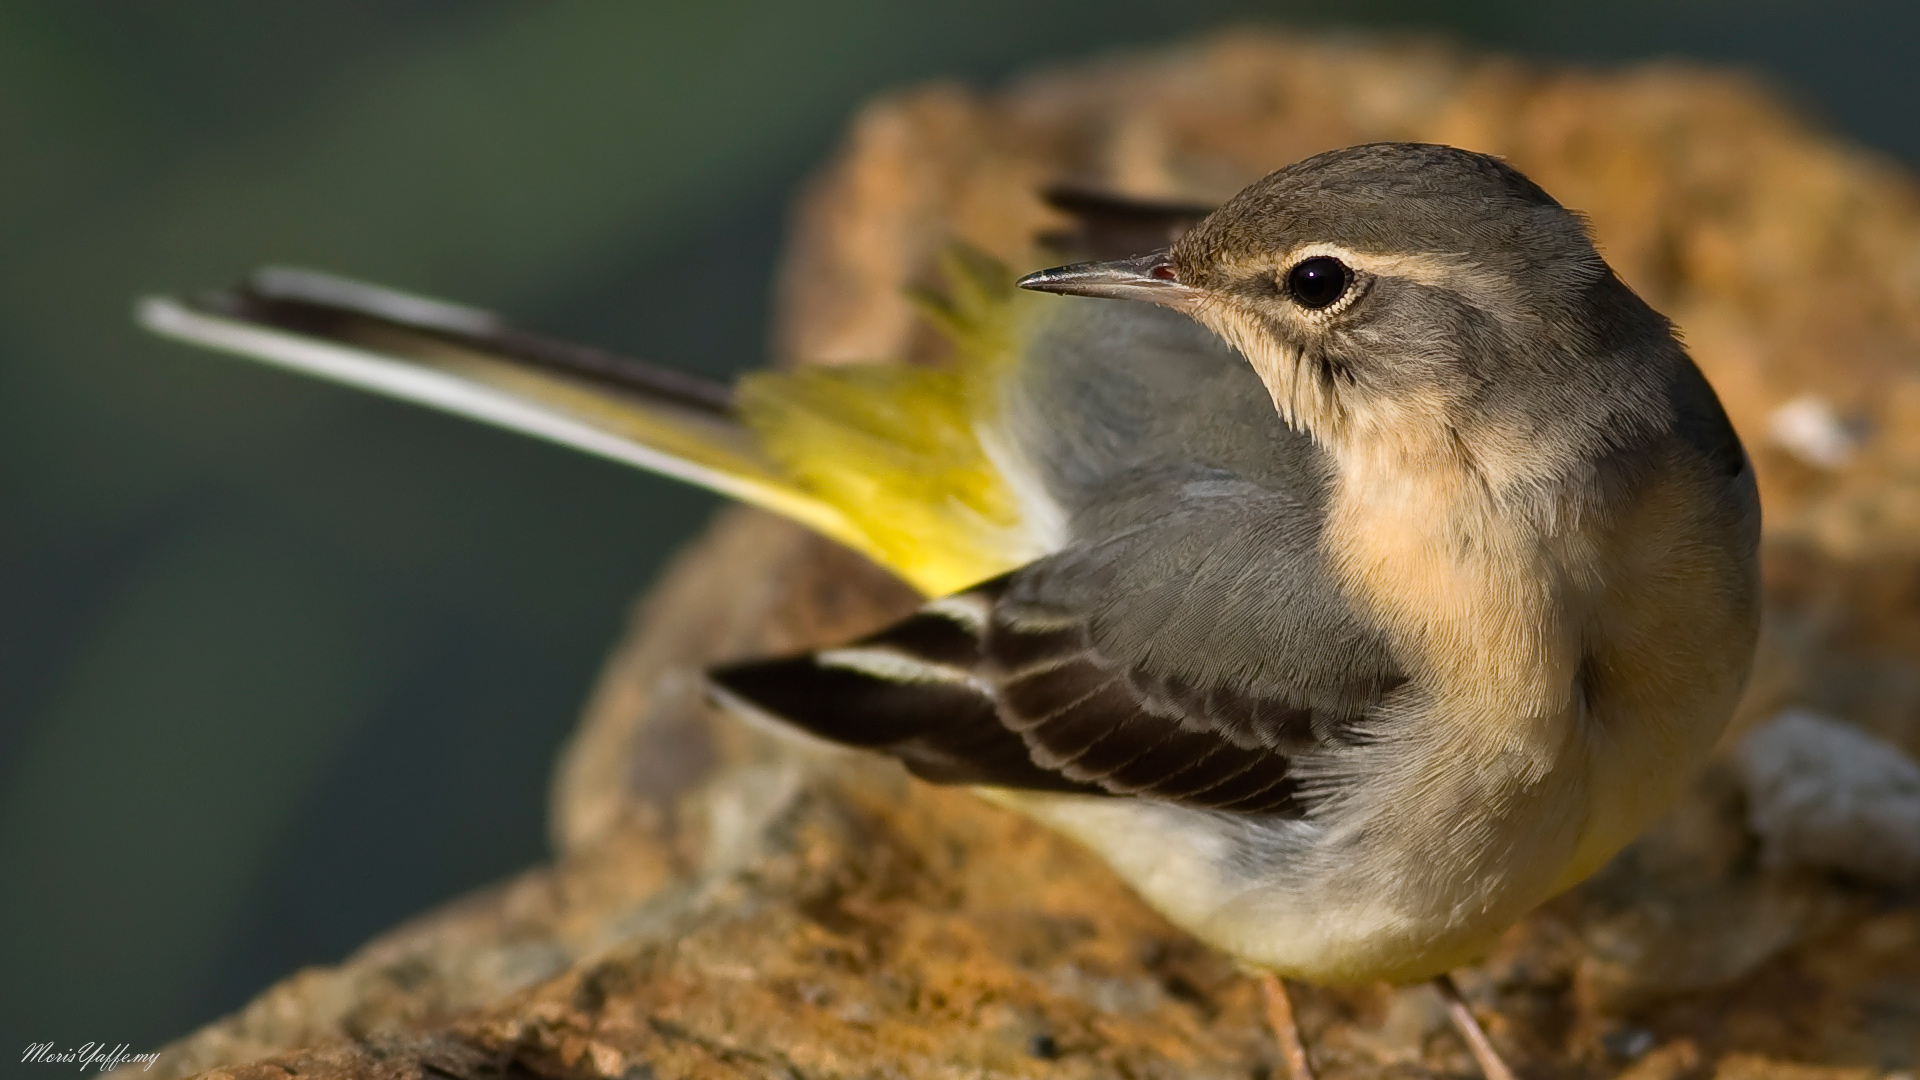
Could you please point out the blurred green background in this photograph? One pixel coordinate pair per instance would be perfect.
(281, 664)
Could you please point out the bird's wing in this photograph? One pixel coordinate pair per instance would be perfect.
(1191, 658)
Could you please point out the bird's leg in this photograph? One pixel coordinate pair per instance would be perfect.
(1285, 1030)
(1471, 1031)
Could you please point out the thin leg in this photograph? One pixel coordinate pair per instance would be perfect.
(1471, 1031)
(1285, 1030)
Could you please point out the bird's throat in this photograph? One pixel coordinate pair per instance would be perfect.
(1467, 588)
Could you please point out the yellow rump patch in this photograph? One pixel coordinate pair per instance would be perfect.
(898, 450)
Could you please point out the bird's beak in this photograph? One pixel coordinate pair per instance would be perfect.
(1146, 277)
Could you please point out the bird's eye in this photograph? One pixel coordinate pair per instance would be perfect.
(1319, 281)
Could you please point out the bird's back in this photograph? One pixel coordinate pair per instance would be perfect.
(1105, 393)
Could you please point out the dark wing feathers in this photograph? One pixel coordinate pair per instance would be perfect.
(1093, 719)
(1024, 698)
(909, 691)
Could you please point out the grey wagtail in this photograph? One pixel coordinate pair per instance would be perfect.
(1374, 574)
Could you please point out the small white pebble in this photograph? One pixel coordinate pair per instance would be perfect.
(1824, 794)
(1809, 429)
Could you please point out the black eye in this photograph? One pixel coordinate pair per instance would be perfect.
(1319, 281)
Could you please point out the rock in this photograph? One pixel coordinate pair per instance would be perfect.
(725, 905)
(1823, 794)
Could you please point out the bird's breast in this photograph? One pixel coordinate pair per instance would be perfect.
(1565, 684)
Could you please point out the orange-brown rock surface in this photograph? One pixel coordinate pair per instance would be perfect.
(724, 906)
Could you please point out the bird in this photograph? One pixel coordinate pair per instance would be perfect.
(1352, 572)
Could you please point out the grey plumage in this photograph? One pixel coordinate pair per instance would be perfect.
(1194, 512)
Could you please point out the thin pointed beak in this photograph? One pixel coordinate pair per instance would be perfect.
(1146, 277)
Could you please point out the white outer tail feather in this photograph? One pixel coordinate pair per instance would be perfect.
(424, 385)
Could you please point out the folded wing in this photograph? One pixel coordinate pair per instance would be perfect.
(1175, 661)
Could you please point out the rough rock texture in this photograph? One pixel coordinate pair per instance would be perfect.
(1824, 794)
(722, 905)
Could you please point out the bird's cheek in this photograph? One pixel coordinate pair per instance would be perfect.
(1251, 334)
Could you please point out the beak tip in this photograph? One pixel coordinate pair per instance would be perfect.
(1037, 281)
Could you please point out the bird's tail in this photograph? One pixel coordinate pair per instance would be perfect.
(883, 458)
(473, 363)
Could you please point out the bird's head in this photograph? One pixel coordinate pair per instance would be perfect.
(1409, 300)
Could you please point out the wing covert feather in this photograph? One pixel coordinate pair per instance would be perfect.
(1077, 673)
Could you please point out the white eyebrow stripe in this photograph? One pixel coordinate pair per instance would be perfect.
(1452, 272)
(1426, 269)
(1439, 270)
